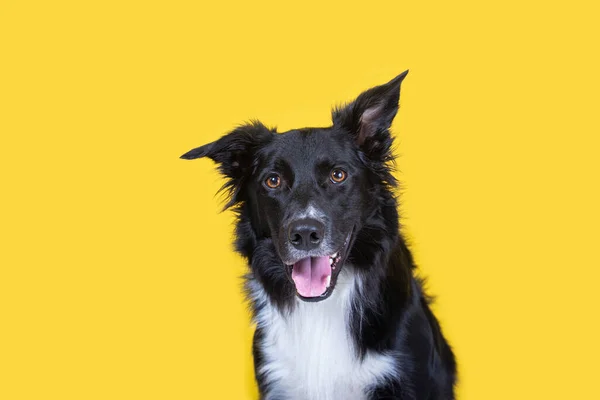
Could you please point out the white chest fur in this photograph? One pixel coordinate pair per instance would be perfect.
(309, 353)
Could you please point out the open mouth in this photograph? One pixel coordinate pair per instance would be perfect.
(315, 277)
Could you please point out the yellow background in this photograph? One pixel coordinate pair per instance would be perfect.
(117, 276)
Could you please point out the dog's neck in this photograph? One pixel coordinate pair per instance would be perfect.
(373, 298)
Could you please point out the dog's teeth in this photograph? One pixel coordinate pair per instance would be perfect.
(328, 280)
(330, 261)
(335, 255)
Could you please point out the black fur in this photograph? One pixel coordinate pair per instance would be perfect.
(392, 311)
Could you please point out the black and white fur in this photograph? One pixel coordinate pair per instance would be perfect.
(371, 333)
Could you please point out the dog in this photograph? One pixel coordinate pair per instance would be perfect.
(339, 310)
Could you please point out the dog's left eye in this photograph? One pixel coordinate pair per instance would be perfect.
(338, 175)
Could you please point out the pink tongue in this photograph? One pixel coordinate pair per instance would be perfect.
(310, 276)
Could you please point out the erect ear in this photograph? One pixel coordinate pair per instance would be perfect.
(371, 114)
(234, 151)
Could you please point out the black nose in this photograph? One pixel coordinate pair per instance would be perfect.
(306, 234)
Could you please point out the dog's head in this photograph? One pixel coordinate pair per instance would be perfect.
(309, 192)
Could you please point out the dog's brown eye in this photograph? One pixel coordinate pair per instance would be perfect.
(273, 181)
(338, 176)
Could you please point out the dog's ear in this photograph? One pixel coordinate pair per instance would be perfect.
(369, 117)
(234, 151)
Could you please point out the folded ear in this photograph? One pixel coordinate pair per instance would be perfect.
(371, 114)
(234, 151)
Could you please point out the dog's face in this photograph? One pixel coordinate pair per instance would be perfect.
(309, 190)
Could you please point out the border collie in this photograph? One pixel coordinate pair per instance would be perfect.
(339, 311)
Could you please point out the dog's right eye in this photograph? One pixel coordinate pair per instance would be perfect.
(273, 181)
